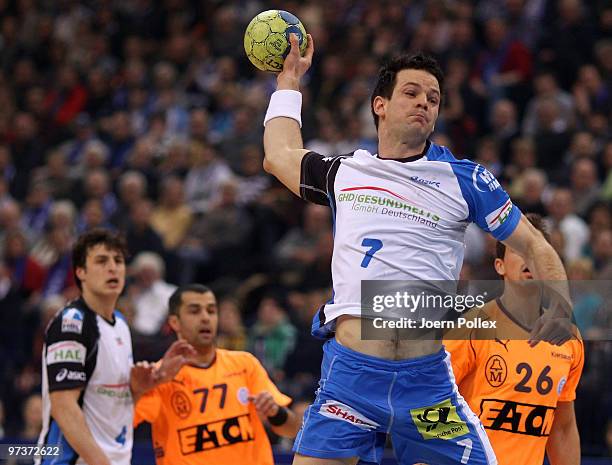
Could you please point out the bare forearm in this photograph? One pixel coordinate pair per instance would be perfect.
(563, 446)
(72, 422)
(548, 268)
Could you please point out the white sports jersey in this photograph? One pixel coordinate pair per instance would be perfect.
(400, 219)
(83, 350)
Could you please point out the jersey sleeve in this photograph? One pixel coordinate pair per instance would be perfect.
(71, 343)
(463, 357)
(259, 381)
(314, 177)
(489, 205)
(148, 407)
(568, 392)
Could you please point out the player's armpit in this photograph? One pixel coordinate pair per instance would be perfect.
(66, 411)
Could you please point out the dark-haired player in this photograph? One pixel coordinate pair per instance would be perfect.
(89, 379)
(400, 214)
(523, 395)
(210, 412)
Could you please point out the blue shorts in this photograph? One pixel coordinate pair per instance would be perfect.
(362, 399)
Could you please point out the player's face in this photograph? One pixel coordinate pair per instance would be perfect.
(513, 267)
(198, 319)
(104, 272)
(412, 110)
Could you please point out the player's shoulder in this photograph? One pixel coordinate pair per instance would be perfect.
(328, 159)
(75, 318)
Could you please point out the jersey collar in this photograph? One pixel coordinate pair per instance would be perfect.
(412, 158)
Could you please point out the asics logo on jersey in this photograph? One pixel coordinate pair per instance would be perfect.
(69, 375)
(426, 182)
(339, 411)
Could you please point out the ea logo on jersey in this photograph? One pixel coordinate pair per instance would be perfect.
(561, 385)
(496, 370)
(243, 395)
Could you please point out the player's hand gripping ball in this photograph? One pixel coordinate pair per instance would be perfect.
(266, 40)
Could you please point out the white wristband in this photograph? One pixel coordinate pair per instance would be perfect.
(286, 103)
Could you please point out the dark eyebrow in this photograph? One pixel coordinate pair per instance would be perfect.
(416, 84)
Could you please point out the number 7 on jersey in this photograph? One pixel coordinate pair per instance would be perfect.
(374, 246)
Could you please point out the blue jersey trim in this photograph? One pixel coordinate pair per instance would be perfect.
(56, 437)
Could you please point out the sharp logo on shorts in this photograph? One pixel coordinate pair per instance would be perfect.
(69, 375)
(216, 434)
(66, 352)
(516, 417)
(72, 321)
(339, 411)
(439, 421)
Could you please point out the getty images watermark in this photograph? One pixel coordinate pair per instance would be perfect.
(481, 309)
(405, 301)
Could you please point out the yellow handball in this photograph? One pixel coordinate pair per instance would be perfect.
(266, 39)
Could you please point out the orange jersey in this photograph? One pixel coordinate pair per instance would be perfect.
(204, 416)
(514, 388)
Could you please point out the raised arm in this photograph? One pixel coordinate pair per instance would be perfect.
(546, 266)
(283, 145)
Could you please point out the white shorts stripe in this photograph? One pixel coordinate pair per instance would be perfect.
(471, 416)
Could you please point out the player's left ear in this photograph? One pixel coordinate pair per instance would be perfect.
(174, 323)
(500, 267)
(379, 105)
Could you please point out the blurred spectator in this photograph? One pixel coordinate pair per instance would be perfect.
(591, 92)
(38, 207)
(602, 254)
(504, 68)
(140, 236)
(150, 293)
(27, 275)
(55, 174)
(528, 189)
(574, 229)
(504, 125)
(552, 136)
(132, 187)
(32, 418)
(584, 185)
(207, 173)
(297, 249)
(11, 220)
(546, 86)
(253, 180)
(53, 251)
(567, 43)
(94, 157)
(232, 334)
(172, 218)
(272, 337)
(97, 186)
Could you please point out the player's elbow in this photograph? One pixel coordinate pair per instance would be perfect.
(267, 164)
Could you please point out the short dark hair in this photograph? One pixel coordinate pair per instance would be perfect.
(537, 221)
(387, 75)
(176, 299)
(112, 240)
